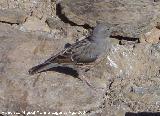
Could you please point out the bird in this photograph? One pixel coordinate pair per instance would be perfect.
(80, 53)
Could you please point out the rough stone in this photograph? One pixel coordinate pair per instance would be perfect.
(35, 24)
(153, 36)
(123, 81)
(126, 80)
(130, 18)
(12, 16)
(55, 23)
(52, 92)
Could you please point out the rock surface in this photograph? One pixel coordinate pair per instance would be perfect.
(35, 24)
(126, 80)
(130, 18)
(54, 91)
(153, 36)
(12, 16)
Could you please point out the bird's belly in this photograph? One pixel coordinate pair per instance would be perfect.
(87, 59)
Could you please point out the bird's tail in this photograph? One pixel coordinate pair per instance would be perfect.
(41, 67)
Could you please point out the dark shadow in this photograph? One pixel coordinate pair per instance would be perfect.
(125, 38)
(66, 20)
(65, 70)
(143, 114)
(155, 0)
(61, 69)
(67, 45)
(62, 16)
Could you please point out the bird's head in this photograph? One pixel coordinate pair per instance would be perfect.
(101, 31)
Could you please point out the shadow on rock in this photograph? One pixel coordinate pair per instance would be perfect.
(64, 70)
(143, 114)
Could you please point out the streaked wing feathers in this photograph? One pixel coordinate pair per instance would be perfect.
(71, 54)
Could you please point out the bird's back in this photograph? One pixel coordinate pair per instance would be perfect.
(80, 52)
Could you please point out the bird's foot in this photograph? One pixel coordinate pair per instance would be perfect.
(86, 81)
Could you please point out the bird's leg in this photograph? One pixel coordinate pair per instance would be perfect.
(37, 78)
(98, 61)
(85, 80)
(85, 67)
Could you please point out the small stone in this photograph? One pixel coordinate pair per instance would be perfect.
(152, 36)
(55, 24)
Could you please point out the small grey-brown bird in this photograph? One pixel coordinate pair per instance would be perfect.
(81, 52)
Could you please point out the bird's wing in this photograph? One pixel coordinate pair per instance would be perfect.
(71, 54)
(85, 54)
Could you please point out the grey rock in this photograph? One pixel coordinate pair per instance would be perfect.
(55, 24)
(13, 16)
(127, 66)
(130, 18)
(51, 91)
(21, 92)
